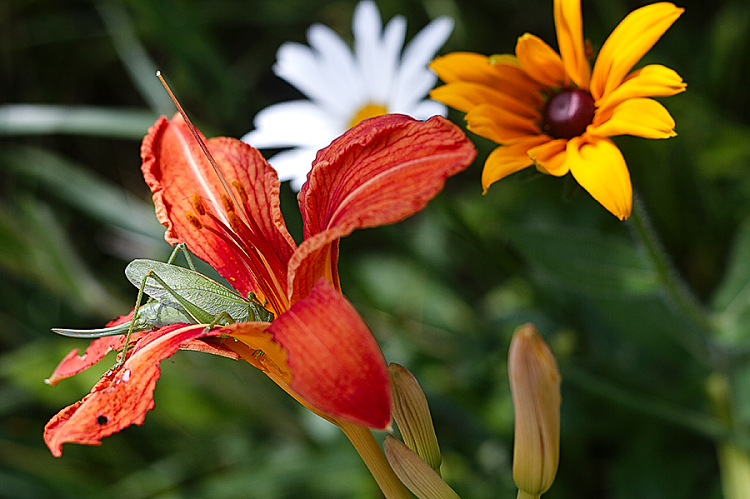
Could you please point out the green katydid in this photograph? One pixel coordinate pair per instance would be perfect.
(178, 294)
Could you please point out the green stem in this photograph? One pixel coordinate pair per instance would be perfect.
(734, 460)
(680, 296)
(373, 457)
(730, 438)
(735, 471)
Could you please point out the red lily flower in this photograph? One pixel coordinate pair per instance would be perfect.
(318, 348)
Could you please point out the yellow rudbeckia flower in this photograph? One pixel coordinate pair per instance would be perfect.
(551, 110)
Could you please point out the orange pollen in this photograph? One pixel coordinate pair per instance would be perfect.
(228, 204)
(234, 221)
(248, 242)
(198, 205)
(193, 220)
(240, 191)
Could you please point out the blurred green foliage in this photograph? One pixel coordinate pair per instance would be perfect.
(442, 291)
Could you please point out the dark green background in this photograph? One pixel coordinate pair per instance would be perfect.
(442, 291)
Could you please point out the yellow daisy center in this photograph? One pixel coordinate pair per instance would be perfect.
(369, 110)
(568, 113)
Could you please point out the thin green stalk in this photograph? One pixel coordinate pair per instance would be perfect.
(734, 460)
(373, 457)
(696, 341)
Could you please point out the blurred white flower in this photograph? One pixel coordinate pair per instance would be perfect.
(345, 88)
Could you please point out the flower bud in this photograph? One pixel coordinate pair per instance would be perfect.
(535, 388)
(412, 415)
(415, 473)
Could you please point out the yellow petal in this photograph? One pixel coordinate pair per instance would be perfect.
(630, 40)
(499, 124)
(540, 61)
(501, 72)
(464, 96)
(650, 81)
(516, 82)
(465, 66)
(640, 117)
(508, 159)
(598, 166)
(569, 28)
(550, 157)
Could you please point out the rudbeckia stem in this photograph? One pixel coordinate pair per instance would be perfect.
(734, 460)
(363, 440)
(732, 448)
(680, 296)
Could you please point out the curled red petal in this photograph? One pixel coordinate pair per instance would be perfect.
(178, 173)
(381, 171)
(335, 363)
(73, 363)
(122, 396)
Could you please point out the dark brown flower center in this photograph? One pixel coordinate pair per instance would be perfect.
(568, 113)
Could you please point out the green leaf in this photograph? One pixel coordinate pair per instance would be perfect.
(731, 302)
(134, 55)
(39, 119)
(586, 260)
(35, 248)
(99, 199)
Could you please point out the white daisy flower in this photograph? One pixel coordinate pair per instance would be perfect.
(345, 88)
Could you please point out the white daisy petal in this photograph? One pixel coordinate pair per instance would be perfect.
(427, 109)
(425, 44)
(340, 83)
(344, 82)
(298, 65)
(366, 25)
(290, 124)
(386, 67)
(375, 52)
(294, 164)
(411, 79)
(407, 96)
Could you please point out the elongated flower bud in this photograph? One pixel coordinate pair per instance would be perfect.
(535, 388)
(415, 473)
(412, 415)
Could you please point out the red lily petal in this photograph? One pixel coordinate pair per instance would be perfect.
(379, 172)
(213, 346)
(184, 183)
(73, 363)
(335, 362)
(123, 396)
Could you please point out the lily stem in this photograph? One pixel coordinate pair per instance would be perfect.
(363, 440)
(677, 291)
